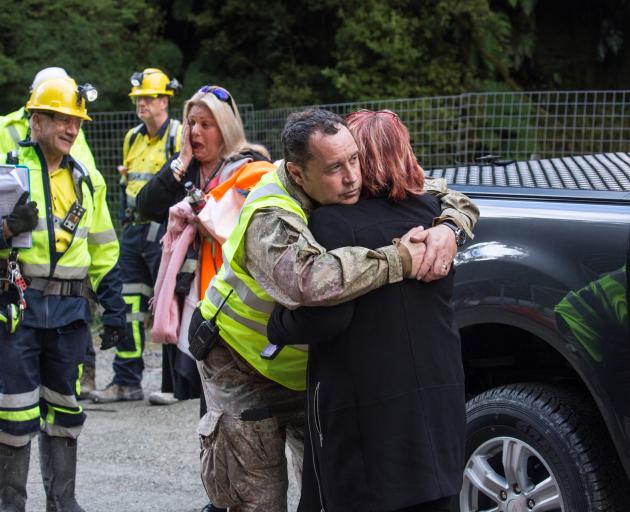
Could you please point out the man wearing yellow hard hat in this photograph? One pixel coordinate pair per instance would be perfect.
(45, 294)
(14, 127)
(145, 150)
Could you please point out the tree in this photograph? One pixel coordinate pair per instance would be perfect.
(407, 48)
(98, 42)
(267, 52)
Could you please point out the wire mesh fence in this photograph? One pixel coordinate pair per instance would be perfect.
(444, 130)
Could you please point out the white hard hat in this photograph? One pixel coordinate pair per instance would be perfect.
(47, 74)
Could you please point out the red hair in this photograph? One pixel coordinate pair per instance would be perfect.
(388, 163)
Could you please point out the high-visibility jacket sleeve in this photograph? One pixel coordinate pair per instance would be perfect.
(104, 250)
(82, 152)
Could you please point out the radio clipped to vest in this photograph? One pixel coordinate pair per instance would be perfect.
(206, 335)
(71, 221)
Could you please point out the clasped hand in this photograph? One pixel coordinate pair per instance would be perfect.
(432, 252)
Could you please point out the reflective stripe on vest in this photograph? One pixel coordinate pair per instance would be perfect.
(243, 320)
(139, 176)
(14, 134)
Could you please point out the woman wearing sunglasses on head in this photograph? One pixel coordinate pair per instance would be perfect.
(218, 161)
(385, 397)
(213, 139)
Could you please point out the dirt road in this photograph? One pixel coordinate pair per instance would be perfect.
(134, 456)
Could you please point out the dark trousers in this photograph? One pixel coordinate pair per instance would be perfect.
(140, 254)
(450, 504)
(39, 371)
(90, 356)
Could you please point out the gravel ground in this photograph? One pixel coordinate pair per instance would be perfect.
(134, 456)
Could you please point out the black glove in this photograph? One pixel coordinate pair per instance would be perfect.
(112, 336)
(23, 217)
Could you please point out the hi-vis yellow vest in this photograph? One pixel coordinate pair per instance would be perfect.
(243, 319)
(144, 156)
(93, 250)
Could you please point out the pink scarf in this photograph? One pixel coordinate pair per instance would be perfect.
(180, 233)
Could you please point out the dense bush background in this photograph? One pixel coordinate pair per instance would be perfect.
(278, 52)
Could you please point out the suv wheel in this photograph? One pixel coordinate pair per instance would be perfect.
(535, 448)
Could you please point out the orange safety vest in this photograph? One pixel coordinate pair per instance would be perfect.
(243, 179)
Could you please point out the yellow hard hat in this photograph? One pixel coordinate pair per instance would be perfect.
(46, 74)
(62, 95)
(152, 81)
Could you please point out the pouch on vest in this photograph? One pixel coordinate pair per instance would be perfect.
(204, 335)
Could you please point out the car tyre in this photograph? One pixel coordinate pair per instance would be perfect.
(533, 447)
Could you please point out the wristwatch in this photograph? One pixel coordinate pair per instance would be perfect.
(460, 234)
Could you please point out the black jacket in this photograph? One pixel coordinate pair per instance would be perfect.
(385, 384)
(163, 191)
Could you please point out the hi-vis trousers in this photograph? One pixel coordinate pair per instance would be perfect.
(39, 382)
(140, 254)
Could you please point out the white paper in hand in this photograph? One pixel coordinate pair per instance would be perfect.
(14, 182)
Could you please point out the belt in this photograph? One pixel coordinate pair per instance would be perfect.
(132, 215)
(286, 408)
(63, 287)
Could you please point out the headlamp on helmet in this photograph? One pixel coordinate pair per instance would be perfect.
(87, 91)
(152, 82)
(136, 79)
(62, 95)
(173, 85)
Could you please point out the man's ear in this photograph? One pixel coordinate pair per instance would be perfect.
(35, 121)
(296, 172)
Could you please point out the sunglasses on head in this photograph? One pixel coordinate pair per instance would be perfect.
(361, 111)
(219, 93)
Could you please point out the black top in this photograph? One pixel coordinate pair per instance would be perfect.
(163, 191)
(385, 384)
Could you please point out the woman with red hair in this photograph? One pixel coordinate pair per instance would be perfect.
(385, 402)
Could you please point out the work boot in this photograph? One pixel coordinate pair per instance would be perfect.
(87, 383)
(117, 393)
(58, 461)
(13, 474)
(160, 398)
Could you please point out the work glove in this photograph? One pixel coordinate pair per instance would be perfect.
(112, 337)
(23, 217)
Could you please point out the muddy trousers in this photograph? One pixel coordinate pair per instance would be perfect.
(243, 462)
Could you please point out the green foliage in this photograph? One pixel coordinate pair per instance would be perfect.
(98, 42)
(279, 52)
(267, 52)
(409, 48)
(273, 53)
